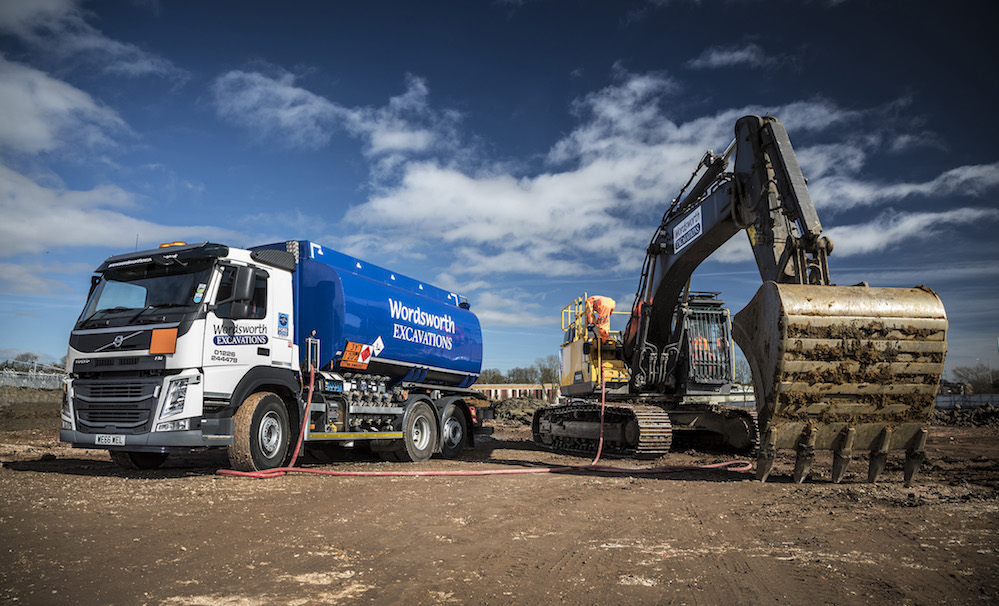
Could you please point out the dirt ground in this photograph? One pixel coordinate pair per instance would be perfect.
(74, 529)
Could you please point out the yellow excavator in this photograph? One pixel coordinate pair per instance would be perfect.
(838, 368)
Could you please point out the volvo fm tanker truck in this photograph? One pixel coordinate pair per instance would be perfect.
(188, 347)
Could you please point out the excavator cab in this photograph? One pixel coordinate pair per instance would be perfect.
(708, 365)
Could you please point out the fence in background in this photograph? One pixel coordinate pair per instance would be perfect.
(975, 400)
(37, 380)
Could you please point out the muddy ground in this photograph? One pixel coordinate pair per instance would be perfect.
(74, 529)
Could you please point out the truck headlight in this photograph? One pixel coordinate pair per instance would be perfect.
(67, 409)
(175, 397)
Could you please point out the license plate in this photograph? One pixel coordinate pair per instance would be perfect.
(110, 440)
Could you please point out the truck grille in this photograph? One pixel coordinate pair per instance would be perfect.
(121, 390)
(104, 406)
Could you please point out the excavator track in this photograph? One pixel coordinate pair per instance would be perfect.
(714, 427)
(628, 429)
(644, 430)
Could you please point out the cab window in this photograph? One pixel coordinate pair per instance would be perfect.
(257, 306)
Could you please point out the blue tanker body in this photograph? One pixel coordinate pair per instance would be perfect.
(413, 331)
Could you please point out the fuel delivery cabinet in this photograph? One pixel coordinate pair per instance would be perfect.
(188, 347)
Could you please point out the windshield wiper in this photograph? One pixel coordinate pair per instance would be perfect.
(102, 313)
(156, 306)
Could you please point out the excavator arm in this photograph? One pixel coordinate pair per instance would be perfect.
(766, 195)
(834, 367)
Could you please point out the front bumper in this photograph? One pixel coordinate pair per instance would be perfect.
(213, 432)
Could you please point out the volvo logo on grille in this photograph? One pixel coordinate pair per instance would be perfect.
(119, 340)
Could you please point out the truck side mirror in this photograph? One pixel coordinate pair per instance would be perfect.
(242, 288)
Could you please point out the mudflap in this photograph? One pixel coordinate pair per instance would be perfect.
(843, 368)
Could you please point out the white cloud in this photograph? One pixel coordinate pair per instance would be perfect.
(751, 55)
(275, 107)
(28, 278)
(593, 207)
(58, 29)
(42, 114)
(616, 173)
(892, 228)
(965, 272)
(888, 230)
(23, 18)
(38, 219)
(509, 308)
(840, 192)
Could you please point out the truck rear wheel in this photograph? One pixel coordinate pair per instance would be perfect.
(419, 433)
(137, 460)
(454, 430)
(261, 433)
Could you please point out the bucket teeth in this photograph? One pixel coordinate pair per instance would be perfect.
(914, 457)
(805, 457)
(843, 455)
(879, 455)
(766, 456)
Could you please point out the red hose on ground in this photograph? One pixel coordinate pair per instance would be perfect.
(731, 466)
(280, 471)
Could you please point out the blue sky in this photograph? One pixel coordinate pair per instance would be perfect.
(517, 152)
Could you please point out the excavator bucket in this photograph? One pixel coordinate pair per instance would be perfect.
(843, 368)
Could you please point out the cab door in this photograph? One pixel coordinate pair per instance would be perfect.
(239, 331)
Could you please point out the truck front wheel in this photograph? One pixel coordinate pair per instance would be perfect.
(261, 433)
(419, 433)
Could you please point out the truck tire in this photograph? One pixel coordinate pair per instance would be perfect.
(419, 434)
(261, 433)
(454, 432)
(137, 460)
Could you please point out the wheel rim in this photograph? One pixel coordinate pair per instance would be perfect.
(420, 433)
(452, 432)
(269, 434)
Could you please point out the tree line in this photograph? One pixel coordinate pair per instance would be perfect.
(544, 371)
(981, 378)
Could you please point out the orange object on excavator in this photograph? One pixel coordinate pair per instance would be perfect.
(599, 310)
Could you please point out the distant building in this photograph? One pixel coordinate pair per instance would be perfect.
(502, 391)
(950, 387)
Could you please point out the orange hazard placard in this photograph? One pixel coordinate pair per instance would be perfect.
(356, 356)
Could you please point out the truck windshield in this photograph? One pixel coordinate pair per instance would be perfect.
(145, 293)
